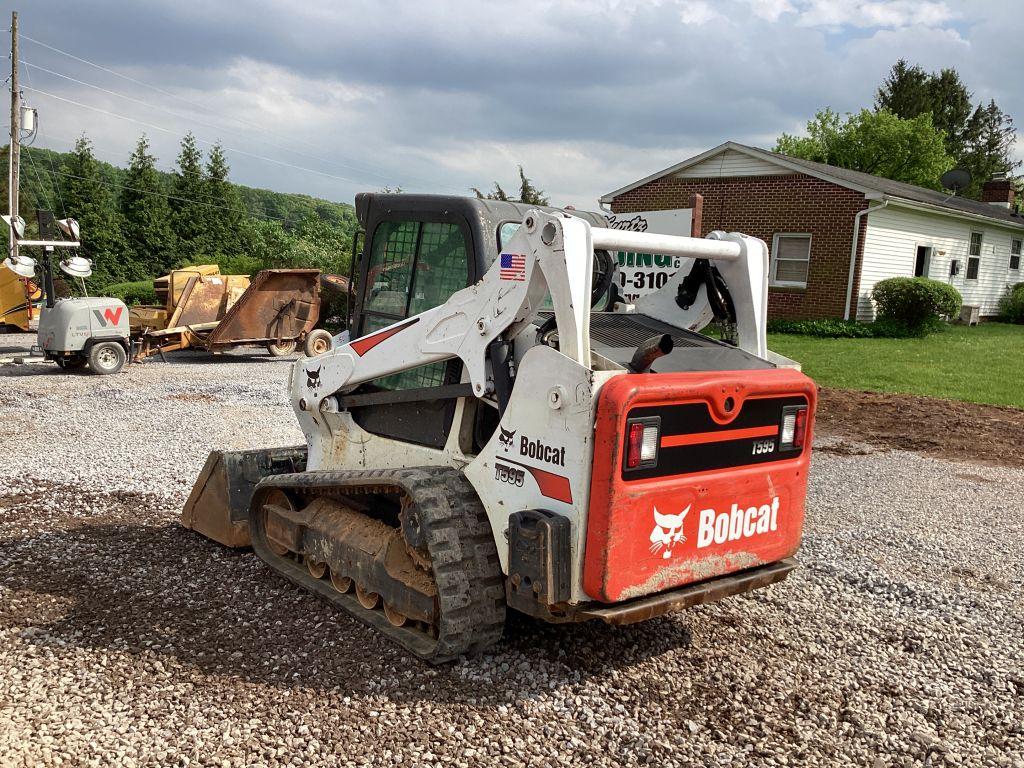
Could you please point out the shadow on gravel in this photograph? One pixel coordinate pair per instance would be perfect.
(201, 357)
(160, 592)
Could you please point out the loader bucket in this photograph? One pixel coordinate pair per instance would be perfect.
(218, 506)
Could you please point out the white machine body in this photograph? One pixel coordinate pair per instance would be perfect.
(73, 324)
(542, 454)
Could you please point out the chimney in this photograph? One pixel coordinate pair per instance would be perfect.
(998, 191)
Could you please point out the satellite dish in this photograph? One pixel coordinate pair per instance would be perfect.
(956, 179)
(69, 227)
(76, 266)
(23, 266)
(17, 224)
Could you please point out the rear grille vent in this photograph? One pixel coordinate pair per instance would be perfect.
(630, 330)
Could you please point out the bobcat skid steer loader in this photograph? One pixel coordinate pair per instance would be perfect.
(488, 441)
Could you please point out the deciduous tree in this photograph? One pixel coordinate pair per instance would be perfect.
(878, 143)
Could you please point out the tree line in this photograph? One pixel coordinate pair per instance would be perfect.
(140, 222)
(921, 125)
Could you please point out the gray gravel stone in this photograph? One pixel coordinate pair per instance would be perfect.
(127, 640)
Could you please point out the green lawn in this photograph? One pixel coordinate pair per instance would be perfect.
(983, 364)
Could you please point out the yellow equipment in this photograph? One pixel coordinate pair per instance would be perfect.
(16, 297)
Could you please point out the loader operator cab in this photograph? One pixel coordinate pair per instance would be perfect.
(418, 251)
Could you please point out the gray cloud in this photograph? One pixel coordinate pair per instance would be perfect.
(441, 95)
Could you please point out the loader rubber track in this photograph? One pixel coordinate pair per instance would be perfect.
(463, 560)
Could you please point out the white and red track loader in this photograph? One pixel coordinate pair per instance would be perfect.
(490, 440)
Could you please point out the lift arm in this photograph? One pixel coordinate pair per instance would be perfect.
(551, 253)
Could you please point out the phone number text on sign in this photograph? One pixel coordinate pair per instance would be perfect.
(642, 273)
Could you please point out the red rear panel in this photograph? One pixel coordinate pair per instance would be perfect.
(723, 494)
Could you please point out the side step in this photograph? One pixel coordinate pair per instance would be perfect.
(704, 592)
(218, 506)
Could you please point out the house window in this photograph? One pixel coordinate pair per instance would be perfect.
(792, 256)
(974, 256)
(923, 261)
(1015, 253)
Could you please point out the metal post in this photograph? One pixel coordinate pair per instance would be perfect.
(14, 150)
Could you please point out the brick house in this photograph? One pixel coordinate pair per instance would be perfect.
(833, 233)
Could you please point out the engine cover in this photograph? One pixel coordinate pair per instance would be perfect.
(724, 493)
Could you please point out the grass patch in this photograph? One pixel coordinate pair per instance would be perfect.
(982, 364)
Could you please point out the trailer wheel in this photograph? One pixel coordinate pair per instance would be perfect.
(317, 343)
(282, 349)
(107, 357)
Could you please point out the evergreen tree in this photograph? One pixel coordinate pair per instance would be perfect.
(89, 200)
(979, 139)
(147, 215)
(950, 105)
(495, 194)
(989, 148)
(528, 193)
(223, 236)
(905, 91)
(189, 214)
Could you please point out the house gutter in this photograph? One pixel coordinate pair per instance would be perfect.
(853, 251)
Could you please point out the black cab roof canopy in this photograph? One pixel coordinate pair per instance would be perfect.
(482, 216)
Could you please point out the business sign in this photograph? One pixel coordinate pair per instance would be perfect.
(643, 273)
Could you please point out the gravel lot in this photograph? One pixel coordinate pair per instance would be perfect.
(127, 640)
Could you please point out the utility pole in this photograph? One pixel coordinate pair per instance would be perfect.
(14, 150)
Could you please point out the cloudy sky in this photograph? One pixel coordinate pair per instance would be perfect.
(330, 97)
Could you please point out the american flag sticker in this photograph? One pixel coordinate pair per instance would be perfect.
(513, 266)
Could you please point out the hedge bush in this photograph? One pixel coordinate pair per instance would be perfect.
(848, 329)
(915, 301)
(1011, 306)
(138, 292)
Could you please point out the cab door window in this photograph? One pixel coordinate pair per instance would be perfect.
(414, 266)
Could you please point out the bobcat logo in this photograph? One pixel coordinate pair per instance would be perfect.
(313, 378)
(668, 530)
(505, 438)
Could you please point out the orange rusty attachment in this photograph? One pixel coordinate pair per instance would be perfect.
(279, 305)
(217, 312)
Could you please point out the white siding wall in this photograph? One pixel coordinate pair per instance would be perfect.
(731, 163)
(890, 248)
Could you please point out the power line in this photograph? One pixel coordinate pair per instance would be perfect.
(39, 129)
(206, 109)
(191, 118)
(173, 132)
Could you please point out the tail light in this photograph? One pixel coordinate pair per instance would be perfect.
(642, 439)
(793, 430)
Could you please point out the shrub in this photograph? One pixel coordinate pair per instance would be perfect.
(848, 329)
(825, 329)
(915, 301)
(138, 292)
(1011, 306)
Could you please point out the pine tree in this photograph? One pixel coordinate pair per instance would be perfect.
(89, 200)
(528, 193)
(950, 105)
(980, 139)
(223, 237)
(189, 214)
(147, 215)
(905, 91)
(989, 146)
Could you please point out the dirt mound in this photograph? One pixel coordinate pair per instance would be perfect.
(946, 428)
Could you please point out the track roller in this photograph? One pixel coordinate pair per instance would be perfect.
(341, 583)
(367, 599)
